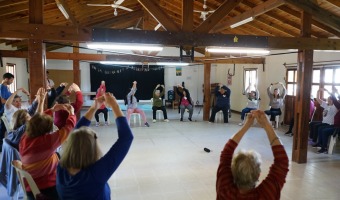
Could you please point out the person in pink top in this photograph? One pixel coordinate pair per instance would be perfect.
(132, 105)
(100, 92)
(184, 101)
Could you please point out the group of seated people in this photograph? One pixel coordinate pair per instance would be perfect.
(320, 131)
(81, 171)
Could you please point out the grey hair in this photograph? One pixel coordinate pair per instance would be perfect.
(245, 167)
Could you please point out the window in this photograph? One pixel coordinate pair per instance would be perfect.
(250, 78)
(291, 81)
(322, 78)
(10, 68)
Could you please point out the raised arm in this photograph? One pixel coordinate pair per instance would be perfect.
(107, 165)
(224, 174)
(10, 99)
(179, 92)
(40, 98)
(153, 94)
(86, 119)
(279, 169)
(283, 90)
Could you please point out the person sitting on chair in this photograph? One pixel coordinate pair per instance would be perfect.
(184, 101)
(83, 172)
(222, 93)
(276, 101)
(238, 174)
(100, 92)
(132, 105)
(157, 103)
(253, 98)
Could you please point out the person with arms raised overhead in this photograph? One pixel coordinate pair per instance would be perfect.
(276, 101)
(83, 172)
(237, 175)
(157, 103)
(253, 97)
(132, 104)
(222, 94)
(185, 101)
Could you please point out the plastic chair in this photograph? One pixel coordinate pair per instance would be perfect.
(332, 141)
(22, 174)
(7, 124)
(158, 112)
(219, 116)
(135, 115)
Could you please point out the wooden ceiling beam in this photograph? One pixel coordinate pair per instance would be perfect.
(317, 12)
(222, 11)
(334, 2)
(13, 9)
(134, 58)
(8, 3)
(44, 32)
(314, 22)
(71, 18)
(187, 15)
(83, 34)
(159, 15)
(256, 11)
(127, 17)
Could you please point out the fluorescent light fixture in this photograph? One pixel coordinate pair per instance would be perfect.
(108, 46)
(158, 26)
(242, 22)
(237, 50)
(62, 10)
(117, 63)
(172, 64)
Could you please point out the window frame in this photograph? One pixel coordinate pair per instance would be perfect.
(11, 68)
(245, 85)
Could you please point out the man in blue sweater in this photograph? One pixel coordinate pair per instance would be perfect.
(5, 93)
(222, 93)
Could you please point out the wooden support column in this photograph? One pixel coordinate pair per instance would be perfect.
(36, 50)
(76, 66)
(76, 70)
(206, 102)
(304, 80)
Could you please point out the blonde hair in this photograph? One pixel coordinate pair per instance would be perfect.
(39, 124)
(19, 118)
(81, 149)
(245, 167)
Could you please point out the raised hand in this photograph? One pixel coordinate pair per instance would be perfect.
(58, 107)
(158, 85)
(69, 108)
(134, 82)
(250, 120)
(110, 99)
(260, 117)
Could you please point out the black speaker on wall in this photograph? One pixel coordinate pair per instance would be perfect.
(171, 95)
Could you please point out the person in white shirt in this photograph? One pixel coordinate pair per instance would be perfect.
(253, 97)
(14, 103)
(49, 82)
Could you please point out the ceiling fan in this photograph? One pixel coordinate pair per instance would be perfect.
(204, 12)
(115, 5)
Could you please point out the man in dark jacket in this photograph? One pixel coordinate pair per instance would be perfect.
(222, 93)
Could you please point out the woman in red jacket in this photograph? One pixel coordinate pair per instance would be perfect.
(237, 175)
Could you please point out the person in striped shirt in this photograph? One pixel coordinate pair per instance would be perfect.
(237, 175)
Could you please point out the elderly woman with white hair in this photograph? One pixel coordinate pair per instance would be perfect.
(237, 175)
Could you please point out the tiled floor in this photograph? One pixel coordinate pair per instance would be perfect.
(167, 161)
